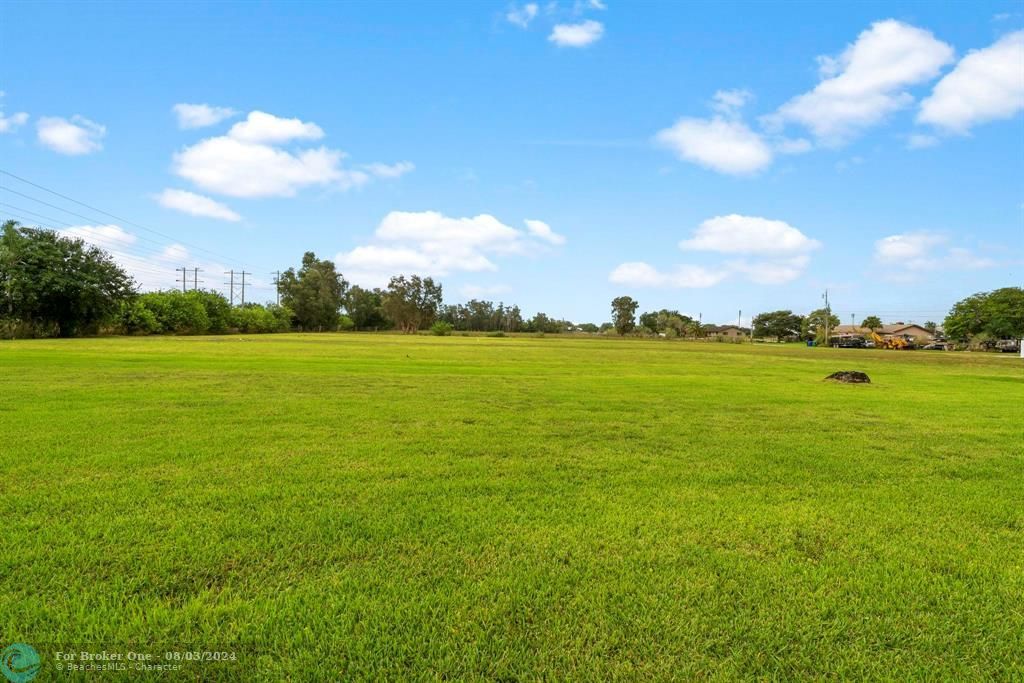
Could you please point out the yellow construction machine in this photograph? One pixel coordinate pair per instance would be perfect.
(895, 343)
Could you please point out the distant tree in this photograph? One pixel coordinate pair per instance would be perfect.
(588, 327)
(998, 314)
(58, 285)
(668, 322)
(778, 324)
(931, 326)
(624, 314)
(315, 293)
(813, 326)
(412, 302)
(872, 322)
(366, 308)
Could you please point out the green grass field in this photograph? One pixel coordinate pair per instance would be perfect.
(470, 508)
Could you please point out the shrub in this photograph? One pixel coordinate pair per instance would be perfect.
(345, 323)
(441, 328)
(499, 333)
(136, 318)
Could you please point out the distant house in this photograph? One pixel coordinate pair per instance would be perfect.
(919, 333)
(727, 331)
(914, 330)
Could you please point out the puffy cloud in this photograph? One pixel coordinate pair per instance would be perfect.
(723, 145)
(200, 115)
(577, 35)
(925, 250)
(866, 82)
(196, 205)
(110, 235)
(640, 274)
(261, 127)
(781, 251)
(543, 231)
(522, 16)
(986, 85)
(243, 169)
(250, 161)
(74, 137)
(736, 234)
(430, 243)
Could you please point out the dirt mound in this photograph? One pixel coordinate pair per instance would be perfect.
(850, 377)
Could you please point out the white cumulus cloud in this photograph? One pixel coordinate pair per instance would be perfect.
(196, 205)
(736, 234)
(430, 243)
(261, 127)
(200, 115)
(986, 85)
(866, 82)
(776, 253)
(924, 251)
(577, 35)
(543, 231)
(74, 137)
(723, 145)
(243, 169)
(254, 160)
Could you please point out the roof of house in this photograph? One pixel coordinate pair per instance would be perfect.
(895, 328)
(723, 328)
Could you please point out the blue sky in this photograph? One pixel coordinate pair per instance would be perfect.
(708, 157)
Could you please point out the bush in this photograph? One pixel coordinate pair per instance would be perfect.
(345, 323)
(441, 329)
(499, 333)
(136, 318)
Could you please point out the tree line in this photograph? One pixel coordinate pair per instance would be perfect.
(54, 285)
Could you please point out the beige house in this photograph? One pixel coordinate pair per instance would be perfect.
(914, 330)
(728, 332)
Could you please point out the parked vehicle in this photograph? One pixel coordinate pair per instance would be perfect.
(848, 342)
(1008, 345)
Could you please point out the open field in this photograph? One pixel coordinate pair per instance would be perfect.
(359, 506)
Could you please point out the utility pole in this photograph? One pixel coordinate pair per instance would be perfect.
(195, 279)
(231, 285)
(277, 285)
(184, 277)
(243, 285)
(739, 318)
(828, 314)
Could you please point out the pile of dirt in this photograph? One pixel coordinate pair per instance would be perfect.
(850, 377)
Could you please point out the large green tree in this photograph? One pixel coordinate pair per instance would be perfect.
(813, 326)
(412, 302)
(314, 294)
(624, 314)
(56, 284)
(999, 314)
(366, 308)
(778, 324)
(872, 322)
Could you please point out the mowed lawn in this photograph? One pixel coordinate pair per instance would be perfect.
(470, 508)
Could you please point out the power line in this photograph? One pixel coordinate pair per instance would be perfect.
(118, 248)
(107, 213)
